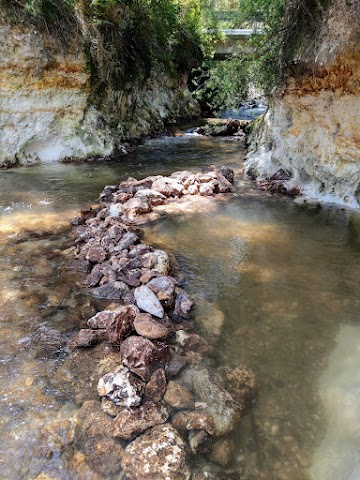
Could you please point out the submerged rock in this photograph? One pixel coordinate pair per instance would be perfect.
(159, 454)
(178, 396)
(102, 452)
(88, 338)
(132, 422)
(212, 387)
(142, 356)
(121, 387)
(197, 420)
(183, 306)
(156, 386)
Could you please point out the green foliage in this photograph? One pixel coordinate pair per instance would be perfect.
(139, 36)
(226, 83)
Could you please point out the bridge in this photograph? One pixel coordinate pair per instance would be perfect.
(232, 38)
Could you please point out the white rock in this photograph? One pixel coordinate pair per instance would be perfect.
(148, 302)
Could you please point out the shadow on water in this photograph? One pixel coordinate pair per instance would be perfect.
(276, 288)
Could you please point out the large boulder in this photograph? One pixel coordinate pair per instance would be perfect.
(132, 422)
(121, 387)
(142, 356)
(158, 454)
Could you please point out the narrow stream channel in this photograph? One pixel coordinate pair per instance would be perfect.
(276, 287)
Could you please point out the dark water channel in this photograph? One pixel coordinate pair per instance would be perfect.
(276, 287)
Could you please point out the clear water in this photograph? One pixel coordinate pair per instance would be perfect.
(277, 289)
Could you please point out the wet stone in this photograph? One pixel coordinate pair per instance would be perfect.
(88, 338)
(147, 327)
(114, 291)
(164, 288)
(162, 264)
(178, 396)
(200, 441)
(147, 301)
(197, 420)
(176, 364)
(159, 454)
(192, 341)
(183, 306)
(142, 356)
(134, 421)
(121, 387)
(96, 254)
(127, 240)
(156, 386)
(222, 452)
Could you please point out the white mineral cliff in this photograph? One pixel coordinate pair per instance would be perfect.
(312, 128)
(47, 110)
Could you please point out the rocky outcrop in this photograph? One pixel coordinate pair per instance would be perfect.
(49, 110)
(309, 140)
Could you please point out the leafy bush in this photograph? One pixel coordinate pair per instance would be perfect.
(224, 84)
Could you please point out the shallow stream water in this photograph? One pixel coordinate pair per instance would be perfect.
(276, 287)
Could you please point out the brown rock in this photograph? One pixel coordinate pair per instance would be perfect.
(93, 279)
(137, 205)
(102, 453)
(176, 364)
(198, 420)
(92, 422)
(114, 291)
(183, 306)
(147, 327)
(222, 452)
(121, 197)
(152, 196)
(142, 356)
(223, 185)
(146, 275)
(88, 338)
(109, 407)
(127, 240)
(159, 454)
(164, 288)
(192, 341)
(199, 441)
(118, 323)
(132, 422)
(96, 254)
(156, 386)
(241, 383)
(178, 396)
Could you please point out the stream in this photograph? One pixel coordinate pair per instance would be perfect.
(276, 287)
